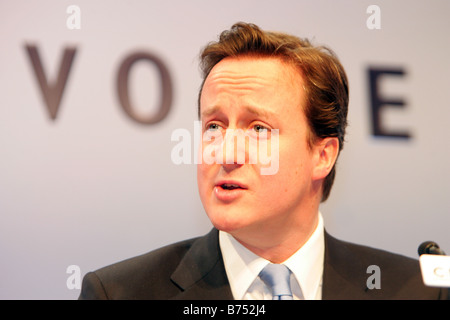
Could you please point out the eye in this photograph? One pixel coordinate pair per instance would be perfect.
(260, 129)
(213, 127)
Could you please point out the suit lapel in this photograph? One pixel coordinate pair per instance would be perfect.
(201, 273)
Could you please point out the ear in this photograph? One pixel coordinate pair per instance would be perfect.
(326, 152)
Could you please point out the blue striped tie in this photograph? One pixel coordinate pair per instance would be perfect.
(277, 278)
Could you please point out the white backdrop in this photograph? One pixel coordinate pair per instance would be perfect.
(94, 187)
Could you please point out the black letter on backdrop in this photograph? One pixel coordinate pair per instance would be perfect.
(51, 92)
(377, 102)
(166, 85)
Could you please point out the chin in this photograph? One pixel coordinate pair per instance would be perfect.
(227, 222)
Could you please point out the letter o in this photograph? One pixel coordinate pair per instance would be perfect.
(166, 95)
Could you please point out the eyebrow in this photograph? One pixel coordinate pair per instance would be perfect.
(258, 112)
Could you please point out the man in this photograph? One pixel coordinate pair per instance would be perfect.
(268, 87)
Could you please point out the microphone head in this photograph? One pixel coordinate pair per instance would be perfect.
(429, 247)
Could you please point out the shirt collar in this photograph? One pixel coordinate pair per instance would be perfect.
(243, 266)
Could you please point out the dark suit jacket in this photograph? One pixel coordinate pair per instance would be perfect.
(194, 269)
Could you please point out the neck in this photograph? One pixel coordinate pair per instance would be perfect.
(278, 246)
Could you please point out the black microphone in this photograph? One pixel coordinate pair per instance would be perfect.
(430, 247)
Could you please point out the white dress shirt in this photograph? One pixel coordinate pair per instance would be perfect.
(243, 267)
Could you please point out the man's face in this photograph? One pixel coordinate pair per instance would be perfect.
(257, 96)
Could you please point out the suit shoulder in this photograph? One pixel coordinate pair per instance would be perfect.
(139, 277)
(383, 256)
(367, 255)
(399, 276)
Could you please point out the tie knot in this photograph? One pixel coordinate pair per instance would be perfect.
(277, 278)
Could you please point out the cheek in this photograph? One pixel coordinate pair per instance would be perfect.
(295, 166)
(205, 179)
(201, 178)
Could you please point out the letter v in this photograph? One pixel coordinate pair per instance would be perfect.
(52, 92)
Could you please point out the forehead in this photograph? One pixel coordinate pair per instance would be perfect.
(256, 69)
(261, 77)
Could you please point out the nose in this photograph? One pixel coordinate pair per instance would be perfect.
(234, 149)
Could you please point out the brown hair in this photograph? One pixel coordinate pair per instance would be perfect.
(326, 84)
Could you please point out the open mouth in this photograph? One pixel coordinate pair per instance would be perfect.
(230, 186)
(228, 191)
